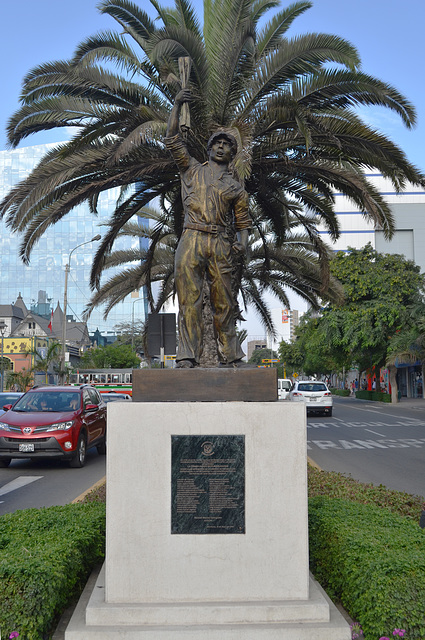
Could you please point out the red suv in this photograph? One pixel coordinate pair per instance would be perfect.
(54, 422)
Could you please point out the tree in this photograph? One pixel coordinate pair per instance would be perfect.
(113, 356)
(133, 334)
(383, 297)
(406, 347)
(318, 355)
(291, 357)
(289, 102)
(294, 265)
(20, 380)
(258, 355)
(50, 357)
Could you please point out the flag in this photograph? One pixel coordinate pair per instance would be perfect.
(50, 323)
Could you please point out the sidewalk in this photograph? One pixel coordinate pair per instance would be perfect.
(410, 403)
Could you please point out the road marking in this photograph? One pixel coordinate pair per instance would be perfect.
(386, 443)
(18, 483)
(376, 433)
(380, 412)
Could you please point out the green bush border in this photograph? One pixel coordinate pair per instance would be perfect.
(340, 392)
(373, 561)
(46, 556)
(377, 396)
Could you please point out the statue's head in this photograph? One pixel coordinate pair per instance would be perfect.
(223, 135)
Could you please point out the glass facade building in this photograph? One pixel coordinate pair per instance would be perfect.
(46, 271)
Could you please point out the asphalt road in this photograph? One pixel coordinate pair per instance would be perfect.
(44, 483)
(373, 442)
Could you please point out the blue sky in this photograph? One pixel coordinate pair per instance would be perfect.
(387, 33)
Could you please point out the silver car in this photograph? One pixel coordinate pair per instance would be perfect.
(315, 395)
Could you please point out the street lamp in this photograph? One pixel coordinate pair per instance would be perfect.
(65, 302)
(2, 330)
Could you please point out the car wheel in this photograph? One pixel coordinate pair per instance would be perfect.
(5, 462)
(101, 448)
(79, 458)
(330, 413)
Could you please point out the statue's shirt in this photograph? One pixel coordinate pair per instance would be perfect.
(208, 200)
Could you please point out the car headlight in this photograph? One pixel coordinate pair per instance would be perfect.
(4, 426)
(60, 426)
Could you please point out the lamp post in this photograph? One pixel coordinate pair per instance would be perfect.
(65, 302)
(2, 330)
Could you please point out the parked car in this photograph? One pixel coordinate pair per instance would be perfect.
(8, 397)
(112, 396)
(283, 388)
(54, 422)
(315, 394)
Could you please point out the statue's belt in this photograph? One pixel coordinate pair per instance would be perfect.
(206, 228)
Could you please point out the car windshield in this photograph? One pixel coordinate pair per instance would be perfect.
(312, 386)
(50, 401)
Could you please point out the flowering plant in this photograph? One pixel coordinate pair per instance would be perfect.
(398, 633)
(356, 631)
(14, 634)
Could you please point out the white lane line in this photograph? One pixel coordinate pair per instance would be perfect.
(17, 483)
(376, 433)
(387, 415)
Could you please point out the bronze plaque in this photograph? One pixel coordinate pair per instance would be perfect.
(208, 484)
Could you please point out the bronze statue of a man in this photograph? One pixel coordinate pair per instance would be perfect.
(212, 199)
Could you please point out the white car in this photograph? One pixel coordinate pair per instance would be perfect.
(314, 394)
(283, 388)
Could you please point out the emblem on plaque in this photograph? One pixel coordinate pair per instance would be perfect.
(207, 448)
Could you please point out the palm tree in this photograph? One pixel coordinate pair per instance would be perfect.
(20, 380)
(290, 102)
(42, 363)
(296, 265)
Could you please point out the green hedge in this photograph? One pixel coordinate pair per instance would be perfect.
(377, 396)
(340, 392)
(373, 561)
(46, 556)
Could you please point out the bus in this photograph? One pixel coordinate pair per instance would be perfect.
(105, 380)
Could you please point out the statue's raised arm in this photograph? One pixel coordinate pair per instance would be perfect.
(173, 121)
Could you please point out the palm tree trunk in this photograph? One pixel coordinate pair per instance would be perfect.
(393, 381)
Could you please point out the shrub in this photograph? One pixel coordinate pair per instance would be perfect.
(377, 396)
(373, 561)
(335, 485)
(340, 392)
(46, 556)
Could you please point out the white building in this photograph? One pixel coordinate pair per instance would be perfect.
(285, 321)
(408, 208)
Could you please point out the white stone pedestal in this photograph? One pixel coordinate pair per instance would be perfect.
(163, 586)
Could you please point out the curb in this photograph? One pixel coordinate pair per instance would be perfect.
(95, 486)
